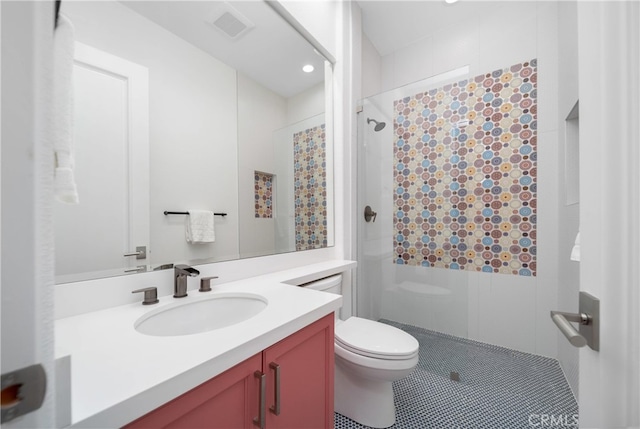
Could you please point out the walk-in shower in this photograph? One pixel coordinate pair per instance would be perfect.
(447, 198)
(454, 184)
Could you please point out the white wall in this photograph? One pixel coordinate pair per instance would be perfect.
(308, 103)
(371, 68)
(193, 123)
(511, 311)
(569, 214)
(260, 111)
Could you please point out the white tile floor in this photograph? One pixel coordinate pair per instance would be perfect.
(498, 387)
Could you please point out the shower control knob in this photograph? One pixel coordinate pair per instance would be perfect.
(369, 214)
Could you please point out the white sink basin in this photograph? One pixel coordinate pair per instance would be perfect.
(194, 317)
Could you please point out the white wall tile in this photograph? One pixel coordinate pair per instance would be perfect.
(547, 41)
(387, 72)
(507, 312)
(371, 68)
(472, 305)
(546, 300)
(548, 196)
(484, 305)
(414, 63)
(454, 49)
(508, 37)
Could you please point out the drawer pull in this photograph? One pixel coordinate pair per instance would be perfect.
(262, 415)
(275, 408)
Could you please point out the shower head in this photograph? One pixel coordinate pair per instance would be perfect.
(379, 125)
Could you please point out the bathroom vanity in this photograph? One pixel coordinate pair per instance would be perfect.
(120, 376)
(290, 384)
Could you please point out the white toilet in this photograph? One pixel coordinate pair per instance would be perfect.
(369, 356)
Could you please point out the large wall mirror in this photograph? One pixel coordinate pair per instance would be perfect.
(183, 106)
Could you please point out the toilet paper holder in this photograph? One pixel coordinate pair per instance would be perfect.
(588, 318)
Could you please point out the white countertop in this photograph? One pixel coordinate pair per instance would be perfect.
(119, 374)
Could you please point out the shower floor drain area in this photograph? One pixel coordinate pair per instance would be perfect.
(495, 388)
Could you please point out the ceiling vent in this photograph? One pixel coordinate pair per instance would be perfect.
(230, 21)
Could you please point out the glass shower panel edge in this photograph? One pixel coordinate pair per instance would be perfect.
(427, 297)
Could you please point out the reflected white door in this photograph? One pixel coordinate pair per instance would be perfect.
(111, 167)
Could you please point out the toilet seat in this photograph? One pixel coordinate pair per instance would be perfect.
(375, 340)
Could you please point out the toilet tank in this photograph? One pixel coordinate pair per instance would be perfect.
(331, 284)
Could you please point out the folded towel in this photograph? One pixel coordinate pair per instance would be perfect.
(65, 187)
(575, 252)
(63, 48)
(199, 227)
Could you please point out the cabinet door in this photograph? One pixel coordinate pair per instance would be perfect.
(229, 400)
(305, 362)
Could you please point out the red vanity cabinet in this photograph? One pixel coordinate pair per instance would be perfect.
(297, 389)
(305, 361)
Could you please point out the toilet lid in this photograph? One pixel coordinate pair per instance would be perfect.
(375, 339)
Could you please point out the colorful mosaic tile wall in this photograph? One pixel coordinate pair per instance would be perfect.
(264, 194)
(466, 166)
(310, 188)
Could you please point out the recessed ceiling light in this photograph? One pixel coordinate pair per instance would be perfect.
(450, 1)
(308, 68)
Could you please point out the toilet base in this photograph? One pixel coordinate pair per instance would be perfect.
(368, 402)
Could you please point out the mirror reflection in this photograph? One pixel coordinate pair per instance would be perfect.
(199, 107)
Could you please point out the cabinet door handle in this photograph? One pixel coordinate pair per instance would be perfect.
(260, 420)
(275, 408)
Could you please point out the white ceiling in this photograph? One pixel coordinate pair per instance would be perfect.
(272, 53)
(393, 24)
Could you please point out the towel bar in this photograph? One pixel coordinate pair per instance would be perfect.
(186, 213)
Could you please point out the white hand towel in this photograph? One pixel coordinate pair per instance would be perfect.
(199, 227)
(575, 252)
(63, 49)
(65, 190)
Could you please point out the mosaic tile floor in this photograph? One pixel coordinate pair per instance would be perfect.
(498, 388)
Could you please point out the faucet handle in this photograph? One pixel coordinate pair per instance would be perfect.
(205, 283)
(150, 295)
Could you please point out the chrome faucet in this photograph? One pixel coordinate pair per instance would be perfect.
(180, 276)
